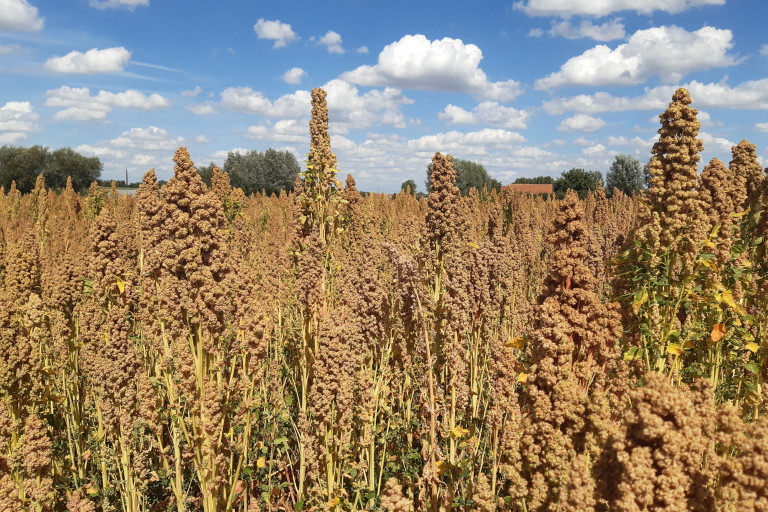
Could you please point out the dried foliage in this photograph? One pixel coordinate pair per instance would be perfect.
(189, 348)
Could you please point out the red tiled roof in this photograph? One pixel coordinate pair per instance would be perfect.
(529, 189)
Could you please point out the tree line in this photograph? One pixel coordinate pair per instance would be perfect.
(24, 164)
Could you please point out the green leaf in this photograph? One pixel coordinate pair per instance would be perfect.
(752, 367)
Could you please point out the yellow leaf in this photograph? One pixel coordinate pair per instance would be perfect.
(675, 350)
(752, 347)
(718, 331)
(727, 297)
(333, 503)
(523, 377)
(262, 462)
(517, 343)
(741, 214)
(473, 245)
(440, 467)
(459, 432)
(120, 285)
(640, 299)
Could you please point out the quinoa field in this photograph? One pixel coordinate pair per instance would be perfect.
(188, 348)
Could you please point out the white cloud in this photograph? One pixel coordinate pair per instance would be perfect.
(487, 112)
(78, 104)
(593, 150)
(11, 137)
(294, 76)
(582, 141)
(444, 65)
(362, 49)
(147, 139)
(598, 8)
(245, 99)
(286, 130)
(764, 50)
(617, 141)
(608, 31)
(10, 49)
(17, 118)
(472, 143)
(220, 156)
(192, 93)
(100, 151)
(535, 32)
(118, 4)
(19, 15)
(713, 144)
(581, 123)
(202, 139)
(202, 109)
(332, 41)
(668, 52)
(763, 127)
(109, 60)
(750, 95)
(280, 33)
(348, 108)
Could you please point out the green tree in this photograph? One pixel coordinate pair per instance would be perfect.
(21, 165)
(539, 180)
(66, 162)
(408, 185)
(626, 174)
(578, 180)
(270, 171)
(469, 175)
(206, 172)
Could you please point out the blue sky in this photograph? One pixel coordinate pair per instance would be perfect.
(526, 88)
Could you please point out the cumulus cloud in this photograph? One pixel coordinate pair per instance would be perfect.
(349, 109)
(109, 60)
(294, 76)
(362, 49)
(471, 143)
(445, 65)
(286, 130)
(598, 8)
(750, 95)
(593, 150)
(10, 49)
(202, 109)
(202, 139)
(668, 52)
(136, 150)
(119, 4)
(764, 50)
(280, 33)
(192, 93)
(715, 144)
(581, 123)
(78, 104)
(487, 112)
(763, 127)
(608, 31)
(332, 41)
(17, 118)
(19, 15)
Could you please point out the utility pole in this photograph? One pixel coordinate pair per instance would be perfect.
(126, 177)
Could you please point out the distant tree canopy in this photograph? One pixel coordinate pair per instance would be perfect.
(409, 185)
(270, 171)
(206, 172)
(469, 175)
(22, 165)
(538, 180)
(579, 180)
(626, 174)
